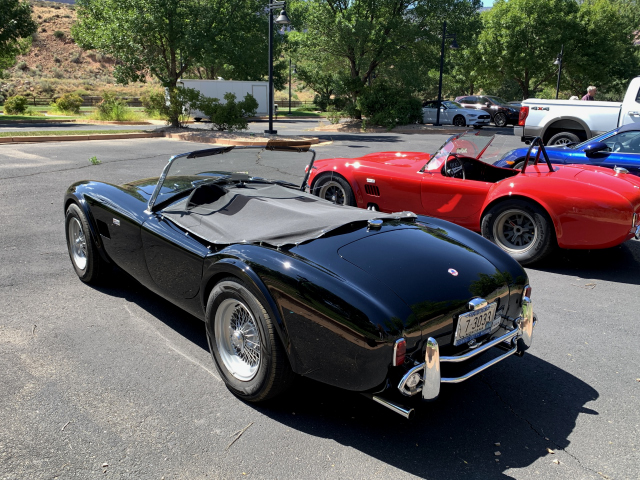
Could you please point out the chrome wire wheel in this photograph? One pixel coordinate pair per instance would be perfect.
(515, 231)
(77, 244)
(237, 339)
(333, 191)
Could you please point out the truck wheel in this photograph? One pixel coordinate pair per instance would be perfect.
(521, 228)
(500, 120)
(563, 138)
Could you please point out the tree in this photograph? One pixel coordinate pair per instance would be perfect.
(395, 39)
(162, 38)
(520, 39)
(15, 24)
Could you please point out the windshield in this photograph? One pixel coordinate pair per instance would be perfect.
(499, 101)
(452, 105)
(186, 171)
(468, 144)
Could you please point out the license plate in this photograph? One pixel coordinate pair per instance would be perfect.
(475, 324)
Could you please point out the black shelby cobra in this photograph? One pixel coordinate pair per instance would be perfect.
(288, 283)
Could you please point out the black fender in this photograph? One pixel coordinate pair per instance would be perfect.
(75, 195)
(236, 267)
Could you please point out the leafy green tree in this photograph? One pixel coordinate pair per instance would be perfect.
(162, 38)
(520, 40)
(16, 24)
(395, 40)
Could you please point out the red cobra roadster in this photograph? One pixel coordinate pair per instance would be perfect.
(528, 212)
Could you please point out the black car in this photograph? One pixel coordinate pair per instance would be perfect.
(501, 112)
(290, 284)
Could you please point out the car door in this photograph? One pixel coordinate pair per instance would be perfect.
(454, 199)
(445, 115)
(428, 113)
(625, 152)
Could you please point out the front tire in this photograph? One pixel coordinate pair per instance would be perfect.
(335, 189)
(500, 120)
(521, 228)
(244, 344)
(83, 251)
(563, 138)
(459, 121)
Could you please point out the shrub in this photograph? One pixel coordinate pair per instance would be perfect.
(334, 115)
(307, 108)
(181, 101)
(57, 72)
(76, 57)
(58, 34)
(154, 104)
(388, 105)
(22, 65)
(16, 105)
(69, 103)
(230, 115)
(113, 108)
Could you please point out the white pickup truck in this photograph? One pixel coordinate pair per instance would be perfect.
(559, 122)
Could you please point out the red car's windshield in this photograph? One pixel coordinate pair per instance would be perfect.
(467, 144)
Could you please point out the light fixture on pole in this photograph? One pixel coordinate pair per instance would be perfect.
(282, 19)
(454, 45)
(558, 61)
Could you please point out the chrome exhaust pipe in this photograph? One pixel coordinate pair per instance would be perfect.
(406, 413)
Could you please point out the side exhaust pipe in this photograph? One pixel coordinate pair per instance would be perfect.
(406, 413)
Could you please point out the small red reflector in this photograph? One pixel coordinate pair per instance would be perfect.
(527, 291)
(524, 113)
(399, 351)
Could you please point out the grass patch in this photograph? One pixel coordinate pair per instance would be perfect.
(10, 118)
(295, 113)
(45, 133)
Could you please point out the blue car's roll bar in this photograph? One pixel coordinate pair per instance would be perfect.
(541, 148)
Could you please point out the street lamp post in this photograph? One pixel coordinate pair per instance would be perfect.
(281, 20)
(289, 86)
(558, 62)
(454, 45)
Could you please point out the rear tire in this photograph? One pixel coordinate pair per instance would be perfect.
(521, 228)
(83, 251)
(459, 121)
(500, 120)
(335, 189)
(563, 138)
(243, 342)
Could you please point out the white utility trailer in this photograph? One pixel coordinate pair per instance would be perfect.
(217, 89)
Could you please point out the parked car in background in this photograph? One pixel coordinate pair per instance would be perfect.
(618, 148)
(452, 113)
(501, 112)
(527, 213)
(568, 121)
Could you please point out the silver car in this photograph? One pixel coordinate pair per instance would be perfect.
(452, 113)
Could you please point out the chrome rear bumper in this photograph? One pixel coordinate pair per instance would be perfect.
(426, 377)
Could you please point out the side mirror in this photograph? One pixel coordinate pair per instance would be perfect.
(594, 148)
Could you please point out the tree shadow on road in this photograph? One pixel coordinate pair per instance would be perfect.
(618, 264)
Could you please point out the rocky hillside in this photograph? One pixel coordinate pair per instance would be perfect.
(55, 64)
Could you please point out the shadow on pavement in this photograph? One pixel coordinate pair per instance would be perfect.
(618, 264)
(525, 404)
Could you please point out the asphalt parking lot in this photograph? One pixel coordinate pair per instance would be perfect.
(115, 382)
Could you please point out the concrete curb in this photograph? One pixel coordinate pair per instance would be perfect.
(76, 138)
(26, 122)
(409, 131)
(258, 141)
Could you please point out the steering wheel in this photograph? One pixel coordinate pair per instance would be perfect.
(617, 147)
(453, 168)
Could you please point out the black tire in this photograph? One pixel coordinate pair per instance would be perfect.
(563, 138)
(521, 228)
(519, 163)
(83, 252)
(500, 120)
(334, 188)
(253, 374)
(459, 121)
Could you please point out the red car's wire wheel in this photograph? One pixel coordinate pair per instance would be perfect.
(333, 191)
(515, 230)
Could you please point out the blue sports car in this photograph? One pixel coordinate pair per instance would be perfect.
(618, 148)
